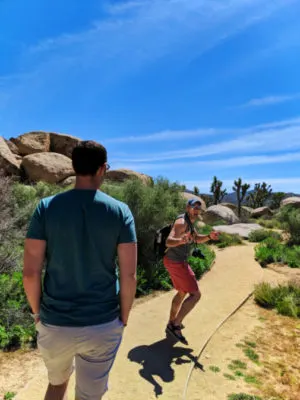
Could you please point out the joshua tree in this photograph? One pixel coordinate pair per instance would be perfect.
(276, 199)
(216, 190)
(259, 196)
(196, 191)
(241, 191)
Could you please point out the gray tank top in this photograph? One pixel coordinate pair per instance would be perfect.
(182, 252)
(179, 253)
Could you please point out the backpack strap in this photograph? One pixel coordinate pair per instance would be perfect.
(189, 222)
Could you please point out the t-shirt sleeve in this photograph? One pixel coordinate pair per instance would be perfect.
(36, 229)
(127, 232)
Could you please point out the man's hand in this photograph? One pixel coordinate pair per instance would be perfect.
(186, 238)
(214, 235)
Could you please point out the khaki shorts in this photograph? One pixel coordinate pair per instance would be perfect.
(90, 350)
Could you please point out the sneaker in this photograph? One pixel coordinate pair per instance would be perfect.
(175, 330)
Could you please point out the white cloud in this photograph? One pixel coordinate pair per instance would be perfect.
(212, 165)
(270, 100)
(137, 33)
(274, 138)
(201, 132)
(126, 6)
(166, 135)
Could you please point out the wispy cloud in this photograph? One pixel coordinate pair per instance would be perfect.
(270, 100)
(269, 139)
(214, 164)
(124, 7)
(201, 132)
(166, 135)
(138, 33)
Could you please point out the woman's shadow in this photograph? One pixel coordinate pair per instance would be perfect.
(157, 359)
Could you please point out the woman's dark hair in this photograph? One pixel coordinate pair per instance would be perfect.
(87, 157)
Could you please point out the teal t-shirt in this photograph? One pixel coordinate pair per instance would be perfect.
(82, 229)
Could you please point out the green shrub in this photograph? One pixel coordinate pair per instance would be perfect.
(16, 326)
(153, 207)
(284, 298)
(243, 396)
(290, 219)
(272, 251)
(272, 223)
(204, 230)
(9, 395)
(201, 265)
(288, 306)
(226, 239)
(264, 295)
(262, 234)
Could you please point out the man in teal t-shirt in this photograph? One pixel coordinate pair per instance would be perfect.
(79, 315)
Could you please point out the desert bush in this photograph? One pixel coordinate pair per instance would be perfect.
(204, 230)
(272, 251)
(201, 265)
(16, 326)
(261, 234)
(17, 203)
(226, 240)
(284, 298)
(290, 219)
(269, 223)
(243, 396)
(152, 207)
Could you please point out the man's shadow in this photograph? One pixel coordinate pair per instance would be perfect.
(157, 359)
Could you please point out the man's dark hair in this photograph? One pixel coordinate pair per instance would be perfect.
(87, 157)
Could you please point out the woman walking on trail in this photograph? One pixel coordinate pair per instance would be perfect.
(179, 243)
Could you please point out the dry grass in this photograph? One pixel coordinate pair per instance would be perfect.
(277, 344)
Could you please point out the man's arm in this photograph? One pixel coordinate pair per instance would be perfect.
(127, 256)
(205, 238)
(34, 255)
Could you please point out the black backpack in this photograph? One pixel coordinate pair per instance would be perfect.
(162, 234)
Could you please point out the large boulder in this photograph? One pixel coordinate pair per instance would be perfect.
(291, 201)
(12, 147)
(238, 229)
(47, 167)
(261, 212)
(189, 196)
(9, 165)
(219, 213)
(68, 181)
(32, 142)
(122, 175)
(63, 144)
(245, 211)
(232, 206)
(248, 209)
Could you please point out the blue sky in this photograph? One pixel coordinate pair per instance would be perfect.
(184, 89)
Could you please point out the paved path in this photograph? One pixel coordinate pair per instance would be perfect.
(148, 365)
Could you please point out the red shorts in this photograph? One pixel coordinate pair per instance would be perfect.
(182, 276)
